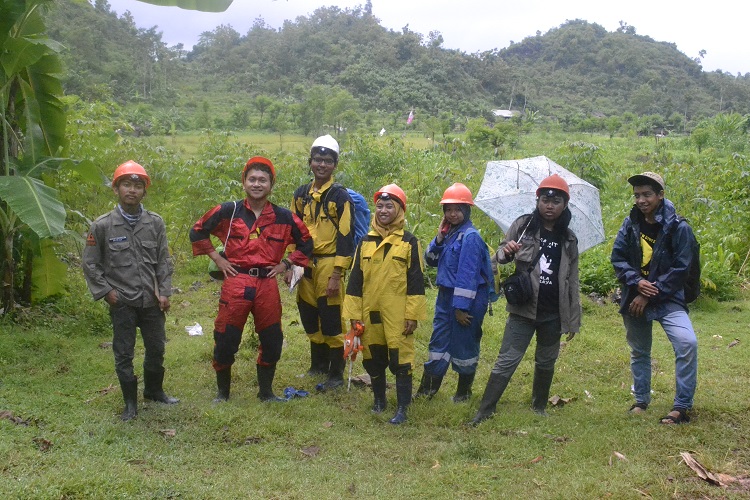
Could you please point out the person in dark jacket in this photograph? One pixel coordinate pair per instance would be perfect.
(651, 257)
(544, 239)
(126, 262)
(464, 275)
(255, 233)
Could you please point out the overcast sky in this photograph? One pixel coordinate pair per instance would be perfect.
(719, 26)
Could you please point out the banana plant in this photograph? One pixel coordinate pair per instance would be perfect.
(33, 138)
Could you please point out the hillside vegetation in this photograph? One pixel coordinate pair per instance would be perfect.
(342, 68)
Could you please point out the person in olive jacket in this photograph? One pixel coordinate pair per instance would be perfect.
(544, 239)
(126, 262)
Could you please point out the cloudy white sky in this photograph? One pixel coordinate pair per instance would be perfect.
(719, 27)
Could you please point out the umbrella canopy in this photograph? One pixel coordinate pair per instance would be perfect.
(509, 187)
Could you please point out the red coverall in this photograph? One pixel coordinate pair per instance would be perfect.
(254, 246)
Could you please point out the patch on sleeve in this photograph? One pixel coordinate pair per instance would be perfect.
(90, 240)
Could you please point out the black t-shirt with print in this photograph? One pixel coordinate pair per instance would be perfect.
(549, 267)
(649, 232)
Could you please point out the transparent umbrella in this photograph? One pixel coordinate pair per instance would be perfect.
(509, 187)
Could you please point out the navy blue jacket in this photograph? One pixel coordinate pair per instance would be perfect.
(669, 262)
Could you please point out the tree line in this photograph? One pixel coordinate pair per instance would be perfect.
(340, 67)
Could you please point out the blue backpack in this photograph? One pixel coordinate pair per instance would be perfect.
(361, 216)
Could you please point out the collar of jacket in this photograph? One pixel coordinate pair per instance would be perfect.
(317, 195)
(666, 215)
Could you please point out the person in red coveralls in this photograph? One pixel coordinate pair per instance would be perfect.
(256, 234)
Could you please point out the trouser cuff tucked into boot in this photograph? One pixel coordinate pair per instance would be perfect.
(540, 390)
(496, 385)
(130, 396)
(378, 391)
(152, 387)
(463, 390)
(336, 372)
(265, 383)
(429, 386)
(223, 383)
(403, 397)
(319, 362)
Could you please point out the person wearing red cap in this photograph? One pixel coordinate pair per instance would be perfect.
(543, 243)
(255, 233)
(126, 262)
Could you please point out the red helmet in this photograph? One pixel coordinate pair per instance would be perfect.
(556, 182)
(263, 161)
(392, 190)
(130, 168)
(457, 193)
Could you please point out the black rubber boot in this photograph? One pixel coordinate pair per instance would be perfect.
(319, 363)
(152, 387)
(463, 390)
(496, 385)
(540, 390)
(378, 392)
(336, 371)
(429, 386)
(130, 395)
(223, 382)
(403, 397)
(265, 383)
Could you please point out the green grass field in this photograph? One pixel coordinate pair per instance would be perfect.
(60, 435)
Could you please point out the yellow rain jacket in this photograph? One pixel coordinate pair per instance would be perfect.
(385, 288)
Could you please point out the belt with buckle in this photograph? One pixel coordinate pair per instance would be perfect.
(255, 272)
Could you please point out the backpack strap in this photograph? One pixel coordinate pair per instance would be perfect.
(324, 202)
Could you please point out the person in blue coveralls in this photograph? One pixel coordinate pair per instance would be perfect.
(464, 277)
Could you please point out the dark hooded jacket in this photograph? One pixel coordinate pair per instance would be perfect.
(670, 261)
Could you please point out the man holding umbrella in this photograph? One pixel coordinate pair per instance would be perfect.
(543, 243)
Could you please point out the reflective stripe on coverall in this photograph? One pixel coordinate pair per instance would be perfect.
(463, 274)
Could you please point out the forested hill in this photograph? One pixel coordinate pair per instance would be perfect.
(348, 58)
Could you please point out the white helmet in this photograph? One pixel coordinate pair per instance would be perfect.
(325, 142)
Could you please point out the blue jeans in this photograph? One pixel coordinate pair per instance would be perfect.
(680, 333)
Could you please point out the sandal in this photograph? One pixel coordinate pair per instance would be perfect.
(669, 419)
(638, 408)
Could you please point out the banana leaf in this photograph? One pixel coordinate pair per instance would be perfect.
(35, 204)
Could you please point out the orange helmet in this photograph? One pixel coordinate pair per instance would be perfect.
(394, 191)
(130, 168)
(556, 182)
(457, 193)
(262, 161)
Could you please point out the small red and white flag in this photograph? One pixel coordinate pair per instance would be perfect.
(411, 117)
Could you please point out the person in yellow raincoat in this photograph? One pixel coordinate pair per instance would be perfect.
(385, 292)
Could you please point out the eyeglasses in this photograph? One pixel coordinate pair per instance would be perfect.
(323, 161)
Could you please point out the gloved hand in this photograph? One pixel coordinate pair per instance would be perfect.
(570, 336)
